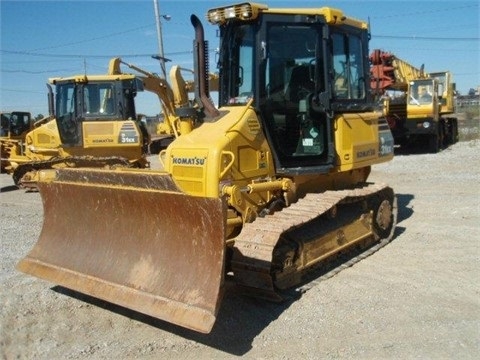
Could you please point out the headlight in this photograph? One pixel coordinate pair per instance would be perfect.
(244, 12)
(215, 16)
(230, 13)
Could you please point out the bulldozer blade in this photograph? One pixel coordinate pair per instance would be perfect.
(133, 239)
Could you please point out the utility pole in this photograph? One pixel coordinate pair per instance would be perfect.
(161, 57)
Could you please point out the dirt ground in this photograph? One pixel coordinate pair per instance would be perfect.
(416, 298)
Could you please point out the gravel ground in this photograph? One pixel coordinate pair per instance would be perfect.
(416, 298)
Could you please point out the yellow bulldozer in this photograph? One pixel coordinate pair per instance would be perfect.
(260, 191)
(14, 127)
(92, 123)
(15, 124)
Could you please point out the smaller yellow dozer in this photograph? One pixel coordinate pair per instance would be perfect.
(172, 269)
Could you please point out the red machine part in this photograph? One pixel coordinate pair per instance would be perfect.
(381, 71)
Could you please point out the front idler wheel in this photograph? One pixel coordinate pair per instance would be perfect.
(384, 215)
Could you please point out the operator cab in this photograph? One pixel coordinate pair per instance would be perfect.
(89, 99)
(300, 71)
(421, 92)
(15, 123)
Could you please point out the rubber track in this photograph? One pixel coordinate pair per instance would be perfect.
(258, 239)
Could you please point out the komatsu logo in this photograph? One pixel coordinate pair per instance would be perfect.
(188, 161)
(104, 141)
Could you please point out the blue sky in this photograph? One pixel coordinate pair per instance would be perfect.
(43, 39)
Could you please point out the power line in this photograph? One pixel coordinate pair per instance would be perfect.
(443, 50)
(29, 53)
(22, 91)
(35, 72)
(33, 53)
(431, 11)
(429, 38)
(93, 39)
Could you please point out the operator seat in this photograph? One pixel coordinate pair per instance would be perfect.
(298, 88)
(300, 84)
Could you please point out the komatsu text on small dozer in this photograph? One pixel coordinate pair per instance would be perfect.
(261, 190)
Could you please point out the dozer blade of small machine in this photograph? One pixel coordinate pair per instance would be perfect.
(133, 239)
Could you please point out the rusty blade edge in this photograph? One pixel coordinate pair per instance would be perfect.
(169, 310)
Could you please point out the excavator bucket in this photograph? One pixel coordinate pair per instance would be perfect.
(133, 239)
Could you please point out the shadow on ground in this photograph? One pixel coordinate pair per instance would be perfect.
(9, 188)
(238, 314)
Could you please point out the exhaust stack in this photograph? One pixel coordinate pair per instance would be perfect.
(200, 59)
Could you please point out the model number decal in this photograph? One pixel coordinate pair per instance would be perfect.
(128, 138)
(386, 144)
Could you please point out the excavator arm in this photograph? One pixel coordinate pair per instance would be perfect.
(171, 98)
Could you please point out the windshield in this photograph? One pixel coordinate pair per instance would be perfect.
(421, 92)
(105, 100)
(98, 99)
(20, 122)
(65, 100)
(5, 123)
(65, 112)
(237, 66)
(348, 67)
(290, 78)
(290, 68)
